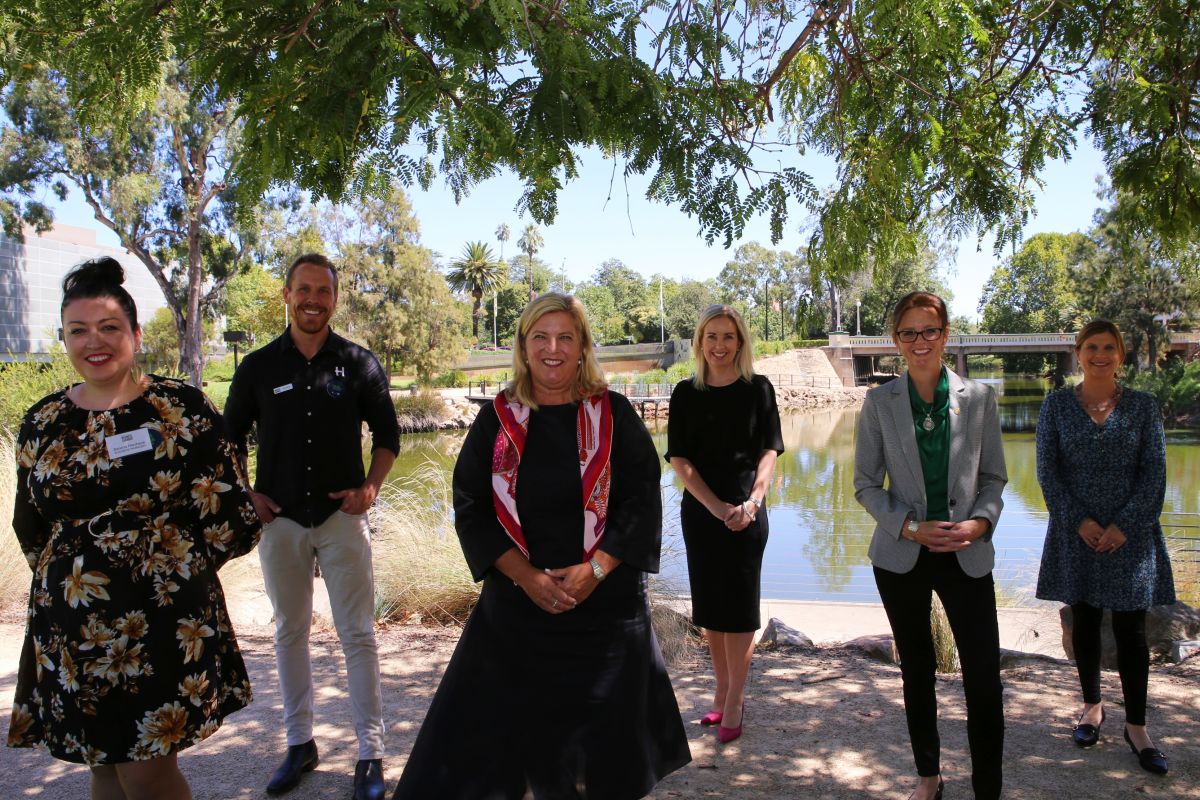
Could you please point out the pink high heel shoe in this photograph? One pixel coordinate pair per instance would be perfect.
(712, 718)
(727, 735)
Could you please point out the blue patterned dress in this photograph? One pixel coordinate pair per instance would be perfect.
(1113, 473)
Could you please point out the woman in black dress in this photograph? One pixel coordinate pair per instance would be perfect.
(557, 686)
(129, 500)
(722, 440)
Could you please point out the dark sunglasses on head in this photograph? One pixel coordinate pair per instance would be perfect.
(908, 335)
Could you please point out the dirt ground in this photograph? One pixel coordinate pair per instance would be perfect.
(825, 723)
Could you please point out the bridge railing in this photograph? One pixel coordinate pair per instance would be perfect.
(975, 339)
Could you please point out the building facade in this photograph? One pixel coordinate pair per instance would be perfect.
(31, 276)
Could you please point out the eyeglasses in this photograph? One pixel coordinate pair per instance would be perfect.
(909, 336)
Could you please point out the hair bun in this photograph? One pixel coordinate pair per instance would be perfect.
(94, 273)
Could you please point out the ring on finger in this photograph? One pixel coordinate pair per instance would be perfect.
(555, 603)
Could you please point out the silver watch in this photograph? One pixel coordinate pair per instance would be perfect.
(597, 570)
(912, 526)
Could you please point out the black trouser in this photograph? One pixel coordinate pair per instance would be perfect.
(1133, 656)
(970, 605)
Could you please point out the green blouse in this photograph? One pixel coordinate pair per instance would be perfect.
(932, 425)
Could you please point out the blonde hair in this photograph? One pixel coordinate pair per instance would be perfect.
(590, 378)
(744, 361)
(1097, 327)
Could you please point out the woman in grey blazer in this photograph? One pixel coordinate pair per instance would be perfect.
(935, 437)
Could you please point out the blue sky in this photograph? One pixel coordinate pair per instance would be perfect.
(593, 226)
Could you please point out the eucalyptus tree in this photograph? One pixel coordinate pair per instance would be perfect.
(161, 179)
(475, 272)
(925, 106)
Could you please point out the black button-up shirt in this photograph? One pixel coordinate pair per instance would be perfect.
(309, 416)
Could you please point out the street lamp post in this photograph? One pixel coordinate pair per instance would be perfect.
(858, 317)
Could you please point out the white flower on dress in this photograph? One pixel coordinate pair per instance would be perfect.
(194, 687)
(80, 588)
(40, 658)
(119, 661)
(206, 494)
(165, 483)
(191, 635)
(160, 730)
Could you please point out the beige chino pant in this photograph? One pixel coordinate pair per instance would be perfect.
(342, 546)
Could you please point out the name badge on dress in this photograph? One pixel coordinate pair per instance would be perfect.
(287, 387)
(128, 443)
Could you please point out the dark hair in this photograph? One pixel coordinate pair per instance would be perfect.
(919, 300)
(317, 260)
(99, 277)
(1097, 327)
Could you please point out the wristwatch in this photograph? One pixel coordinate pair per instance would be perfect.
(597, 570)
(912, 527)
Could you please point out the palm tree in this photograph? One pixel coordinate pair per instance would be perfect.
(503, 232)
(530, 242)
(475, 272)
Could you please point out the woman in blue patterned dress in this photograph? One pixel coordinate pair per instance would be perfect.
(1101, 462)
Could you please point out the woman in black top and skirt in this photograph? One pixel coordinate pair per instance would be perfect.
(722, 440)
(557, 686)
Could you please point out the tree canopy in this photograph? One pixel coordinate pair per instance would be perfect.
(953, 108)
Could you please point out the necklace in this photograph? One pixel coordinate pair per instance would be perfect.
(1101, 406)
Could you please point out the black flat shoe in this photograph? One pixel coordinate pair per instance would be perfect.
(1151, 759)
(1086, 735)
(941, 785)
(300, 758)
(368, 780)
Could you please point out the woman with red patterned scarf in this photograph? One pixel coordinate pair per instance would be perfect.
(557, 687)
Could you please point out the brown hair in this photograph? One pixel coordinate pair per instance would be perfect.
(744, 361)
(1097, 327)
(317, 260)
(919, 300)
(590, 378)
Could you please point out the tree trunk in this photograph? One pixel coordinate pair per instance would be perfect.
(835, 306)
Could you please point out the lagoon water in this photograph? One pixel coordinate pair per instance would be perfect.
(817, 549)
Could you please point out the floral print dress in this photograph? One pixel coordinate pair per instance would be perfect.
(128, 653)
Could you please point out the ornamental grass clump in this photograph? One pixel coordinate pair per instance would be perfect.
(420, 573)
(944, 651)
(14, 570)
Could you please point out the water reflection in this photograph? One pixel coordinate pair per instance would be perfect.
(819, 534)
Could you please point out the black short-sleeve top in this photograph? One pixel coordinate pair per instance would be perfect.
(723, 431)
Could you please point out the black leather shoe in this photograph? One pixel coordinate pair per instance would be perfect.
(1152, 759)
(300, 758)
(368, 780)
(1086, 735)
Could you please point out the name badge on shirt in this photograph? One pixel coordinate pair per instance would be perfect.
(129, 443)
(287, 387)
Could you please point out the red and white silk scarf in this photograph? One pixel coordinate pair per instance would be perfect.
(593, 435)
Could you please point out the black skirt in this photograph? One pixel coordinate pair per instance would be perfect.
(575, 705)
(724, 568)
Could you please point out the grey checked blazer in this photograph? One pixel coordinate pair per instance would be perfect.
(887, 445)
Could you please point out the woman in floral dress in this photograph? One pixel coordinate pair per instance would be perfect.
(129, 500)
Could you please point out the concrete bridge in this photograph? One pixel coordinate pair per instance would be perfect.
(854, 356)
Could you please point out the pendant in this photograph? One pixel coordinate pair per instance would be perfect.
(927, 423)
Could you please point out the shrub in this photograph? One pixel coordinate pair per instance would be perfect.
(1176, 387)
(419, 412)
(23, 383)
(220, 369)
(450, 379)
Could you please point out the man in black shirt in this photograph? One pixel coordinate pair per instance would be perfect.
(309, 391)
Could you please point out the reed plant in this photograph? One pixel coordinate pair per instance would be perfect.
(1185, 565)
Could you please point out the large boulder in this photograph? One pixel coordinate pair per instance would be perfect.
(778, 634)
(1164, 626)
(880, 648)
